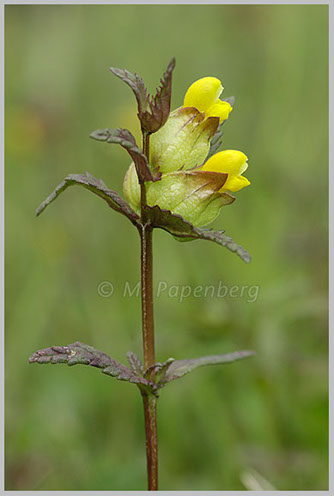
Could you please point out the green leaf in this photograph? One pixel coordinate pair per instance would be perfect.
(179, 368)
(124, 138)
(179, 227)
(80, 353)
(96, 186)
(153, 111)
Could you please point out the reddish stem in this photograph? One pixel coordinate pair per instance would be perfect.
(149, 400)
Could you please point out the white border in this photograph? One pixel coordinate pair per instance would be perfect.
(331, 240)
(2, 248)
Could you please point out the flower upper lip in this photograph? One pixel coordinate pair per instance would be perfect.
(204, 95)
(232, 162)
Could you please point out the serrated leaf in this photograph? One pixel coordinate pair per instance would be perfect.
(124, 138)
(179, 227)
(135, 363)
(153, 111)
(96, 186)
(159, 103)
(137, 85)
(179, 368)
(220, 238)
(80, 353)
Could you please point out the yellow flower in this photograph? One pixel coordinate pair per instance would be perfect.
(204, 96)
(184, 141)
(231, 162)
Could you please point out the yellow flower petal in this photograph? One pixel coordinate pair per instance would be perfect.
(235, 183)
(229, 161)
(219, 109)
(203, 93)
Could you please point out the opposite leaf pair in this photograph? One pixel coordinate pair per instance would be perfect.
(80, 353)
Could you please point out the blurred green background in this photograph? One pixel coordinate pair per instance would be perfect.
(256, 424)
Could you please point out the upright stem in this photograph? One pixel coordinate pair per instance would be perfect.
(149, 400)
(147, 296)
(150, 413)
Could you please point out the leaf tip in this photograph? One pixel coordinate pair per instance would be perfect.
(114, 70)
(247, 353)
(172, 63)
(246, 257)
(99, 134)
(39, 210)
